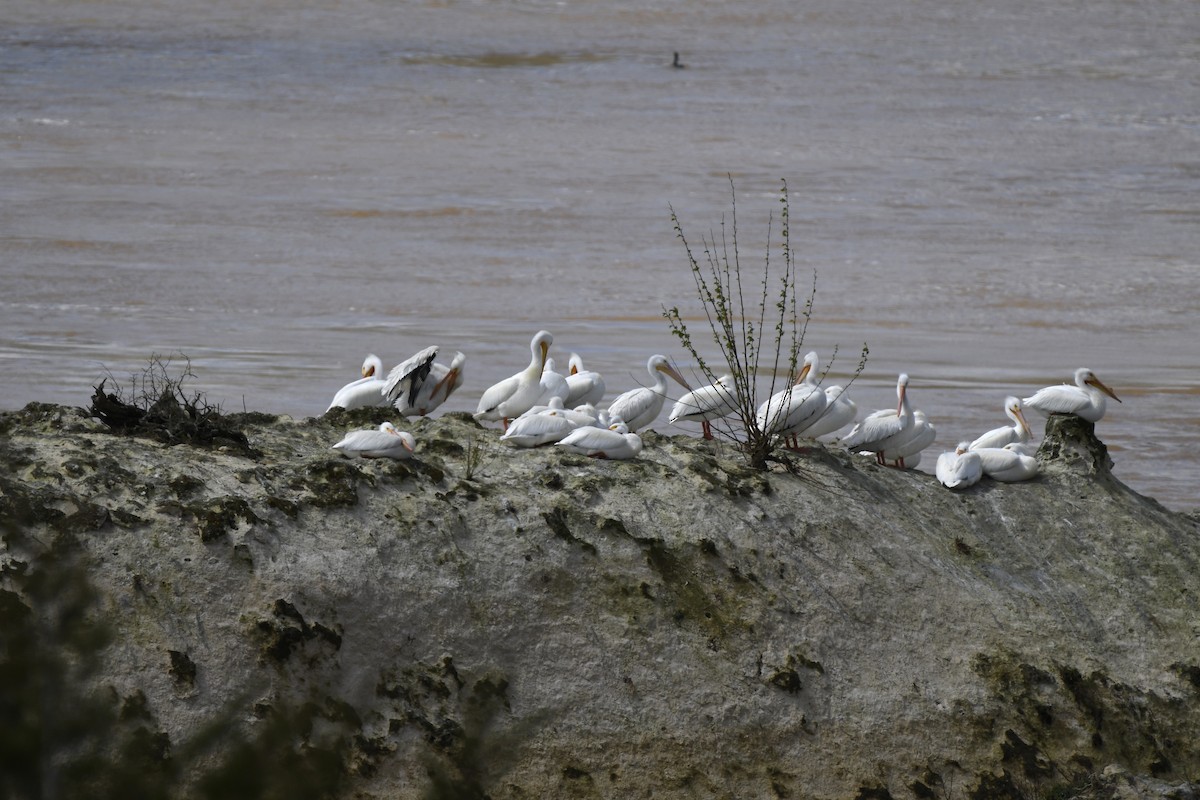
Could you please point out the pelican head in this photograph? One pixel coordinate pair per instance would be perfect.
(1085, 377)
(660, 364)
(371, 365)
(1015, 410)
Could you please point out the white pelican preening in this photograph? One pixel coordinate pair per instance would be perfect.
(1008, 463)
(553, 384)
(383, 442)
(873, 434)
(959, 468)
(706, 403)
(839, 412)
(419, 385)
(586, 385)
(904, 449)
(639, 407)
(614, 442)
(1085, 399)
(790, 412)
(364, 392)
(512, 397)
(998, 437)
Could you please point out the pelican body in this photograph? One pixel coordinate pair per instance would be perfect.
(639, 407)
(959, 468)
(1085, 399)
(705, 404)
(904, 449)
(1008, 463)
(587, 387)
(839, 412)
(512, 397)
(384, 442)
(419, 385)
(614, 442)
(874, 433)
(998, 437)
(790, 412)
(364, 392)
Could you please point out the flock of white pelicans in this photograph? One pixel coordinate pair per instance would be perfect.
(539, 406)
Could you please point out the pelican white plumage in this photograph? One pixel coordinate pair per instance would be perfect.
(1017, 432)
(587, 387)
(790, 412)
(904, 449)
(959, 468)
(512, 397)
(382, 442)
(553, 384)
(1085, 399)
(706, 403)
(615, 442)
(873, 433)
(639, 407)
(536, 428)
(364, 392)
(1008, 464)
(419, 385)
(839, 412)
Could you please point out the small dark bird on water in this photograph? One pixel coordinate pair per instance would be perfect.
(677, 64)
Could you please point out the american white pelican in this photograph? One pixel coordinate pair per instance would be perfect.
(384, 442)
(904, 449)
(615, 442)
(1008, 463)
(553, 384)
(639, 407)
(364, 392)
(512, 397)
(1017, 432)
(706, 403)
(959, 468)
(873, 433)
(419, 385)
(536, 429)
(790, 412)
(1085, 399)
(839, 412)
(586, 385)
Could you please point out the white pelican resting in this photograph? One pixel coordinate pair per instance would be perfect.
(419, 385)
(904, 449)
(873, 433)
(586, 386)
(1008, 463)
(839, 412)
(553, 384)
(959, 468)
(533, 429)
(998, 437)
(706, 403)
(364, 392)
(384, 442)
(1085, 399)
(512, 397)
(639, 407)
(614, 442)
(790, 412)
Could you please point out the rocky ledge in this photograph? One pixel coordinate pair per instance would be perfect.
(265, 618)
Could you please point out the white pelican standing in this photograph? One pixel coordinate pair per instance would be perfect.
(904, 449)
(419, 385)
(1085, 399)
(1008, 463)
(1017, 432)
(959, 468)
(639, 407)
(790, 412)
(614, 442)
(874, 432)
(706, 403)
(839, 412)
(364, 392)
(512, 397)
(383, 442)
(586, 385)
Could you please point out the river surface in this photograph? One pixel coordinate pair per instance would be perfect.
(989, 194)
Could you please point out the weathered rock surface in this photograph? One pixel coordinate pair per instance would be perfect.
(536, 624)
